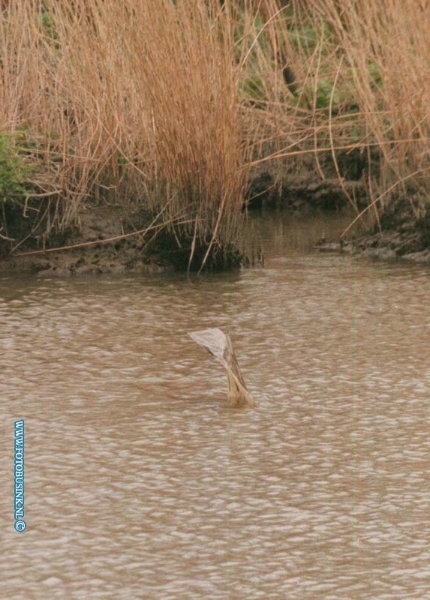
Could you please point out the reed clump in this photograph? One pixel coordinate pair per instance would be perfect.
(170, 105)
(132, 101)
(361, 89)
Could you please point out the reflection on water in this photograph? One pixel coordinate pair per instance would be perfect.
(142, 484)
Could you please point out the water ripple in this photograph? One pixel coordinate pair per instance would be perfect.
(142, 484)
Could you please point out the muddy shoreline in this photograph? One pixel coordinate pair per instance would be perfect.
(105, 240)
(111, 240)
(402, 231)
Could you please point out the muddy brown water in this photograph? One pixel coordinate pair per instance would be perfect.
(141, 484)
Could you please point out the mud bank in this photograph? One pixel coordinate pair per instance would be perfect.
(109, 239)
(105, 240)
(403, 232)
(269, 190)
(382, 245)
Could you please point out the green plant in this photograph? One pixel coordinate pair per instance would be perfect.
(12, 171)
(305, 37)
(253, 89)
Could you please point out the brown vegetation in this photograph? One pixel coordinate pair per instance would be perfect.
(169, 105)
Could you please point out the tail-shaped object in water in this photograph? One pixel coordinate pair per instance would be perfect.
(219, 345)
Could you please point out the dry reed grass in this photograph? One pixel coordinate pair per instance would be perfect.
(171, 103)
(364, 83)
(133, 97)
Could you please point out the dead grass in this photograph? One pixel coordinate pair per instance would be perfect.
(363, 83)
(135, 98)
(169, 104)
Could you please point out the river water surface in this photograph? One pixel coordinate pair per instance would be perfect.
(141, 484)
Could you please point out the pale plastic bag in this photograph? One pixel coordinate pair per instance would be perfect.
(219, 345)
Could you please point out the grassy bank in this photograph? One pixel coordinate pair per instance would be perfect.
(169, 107)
